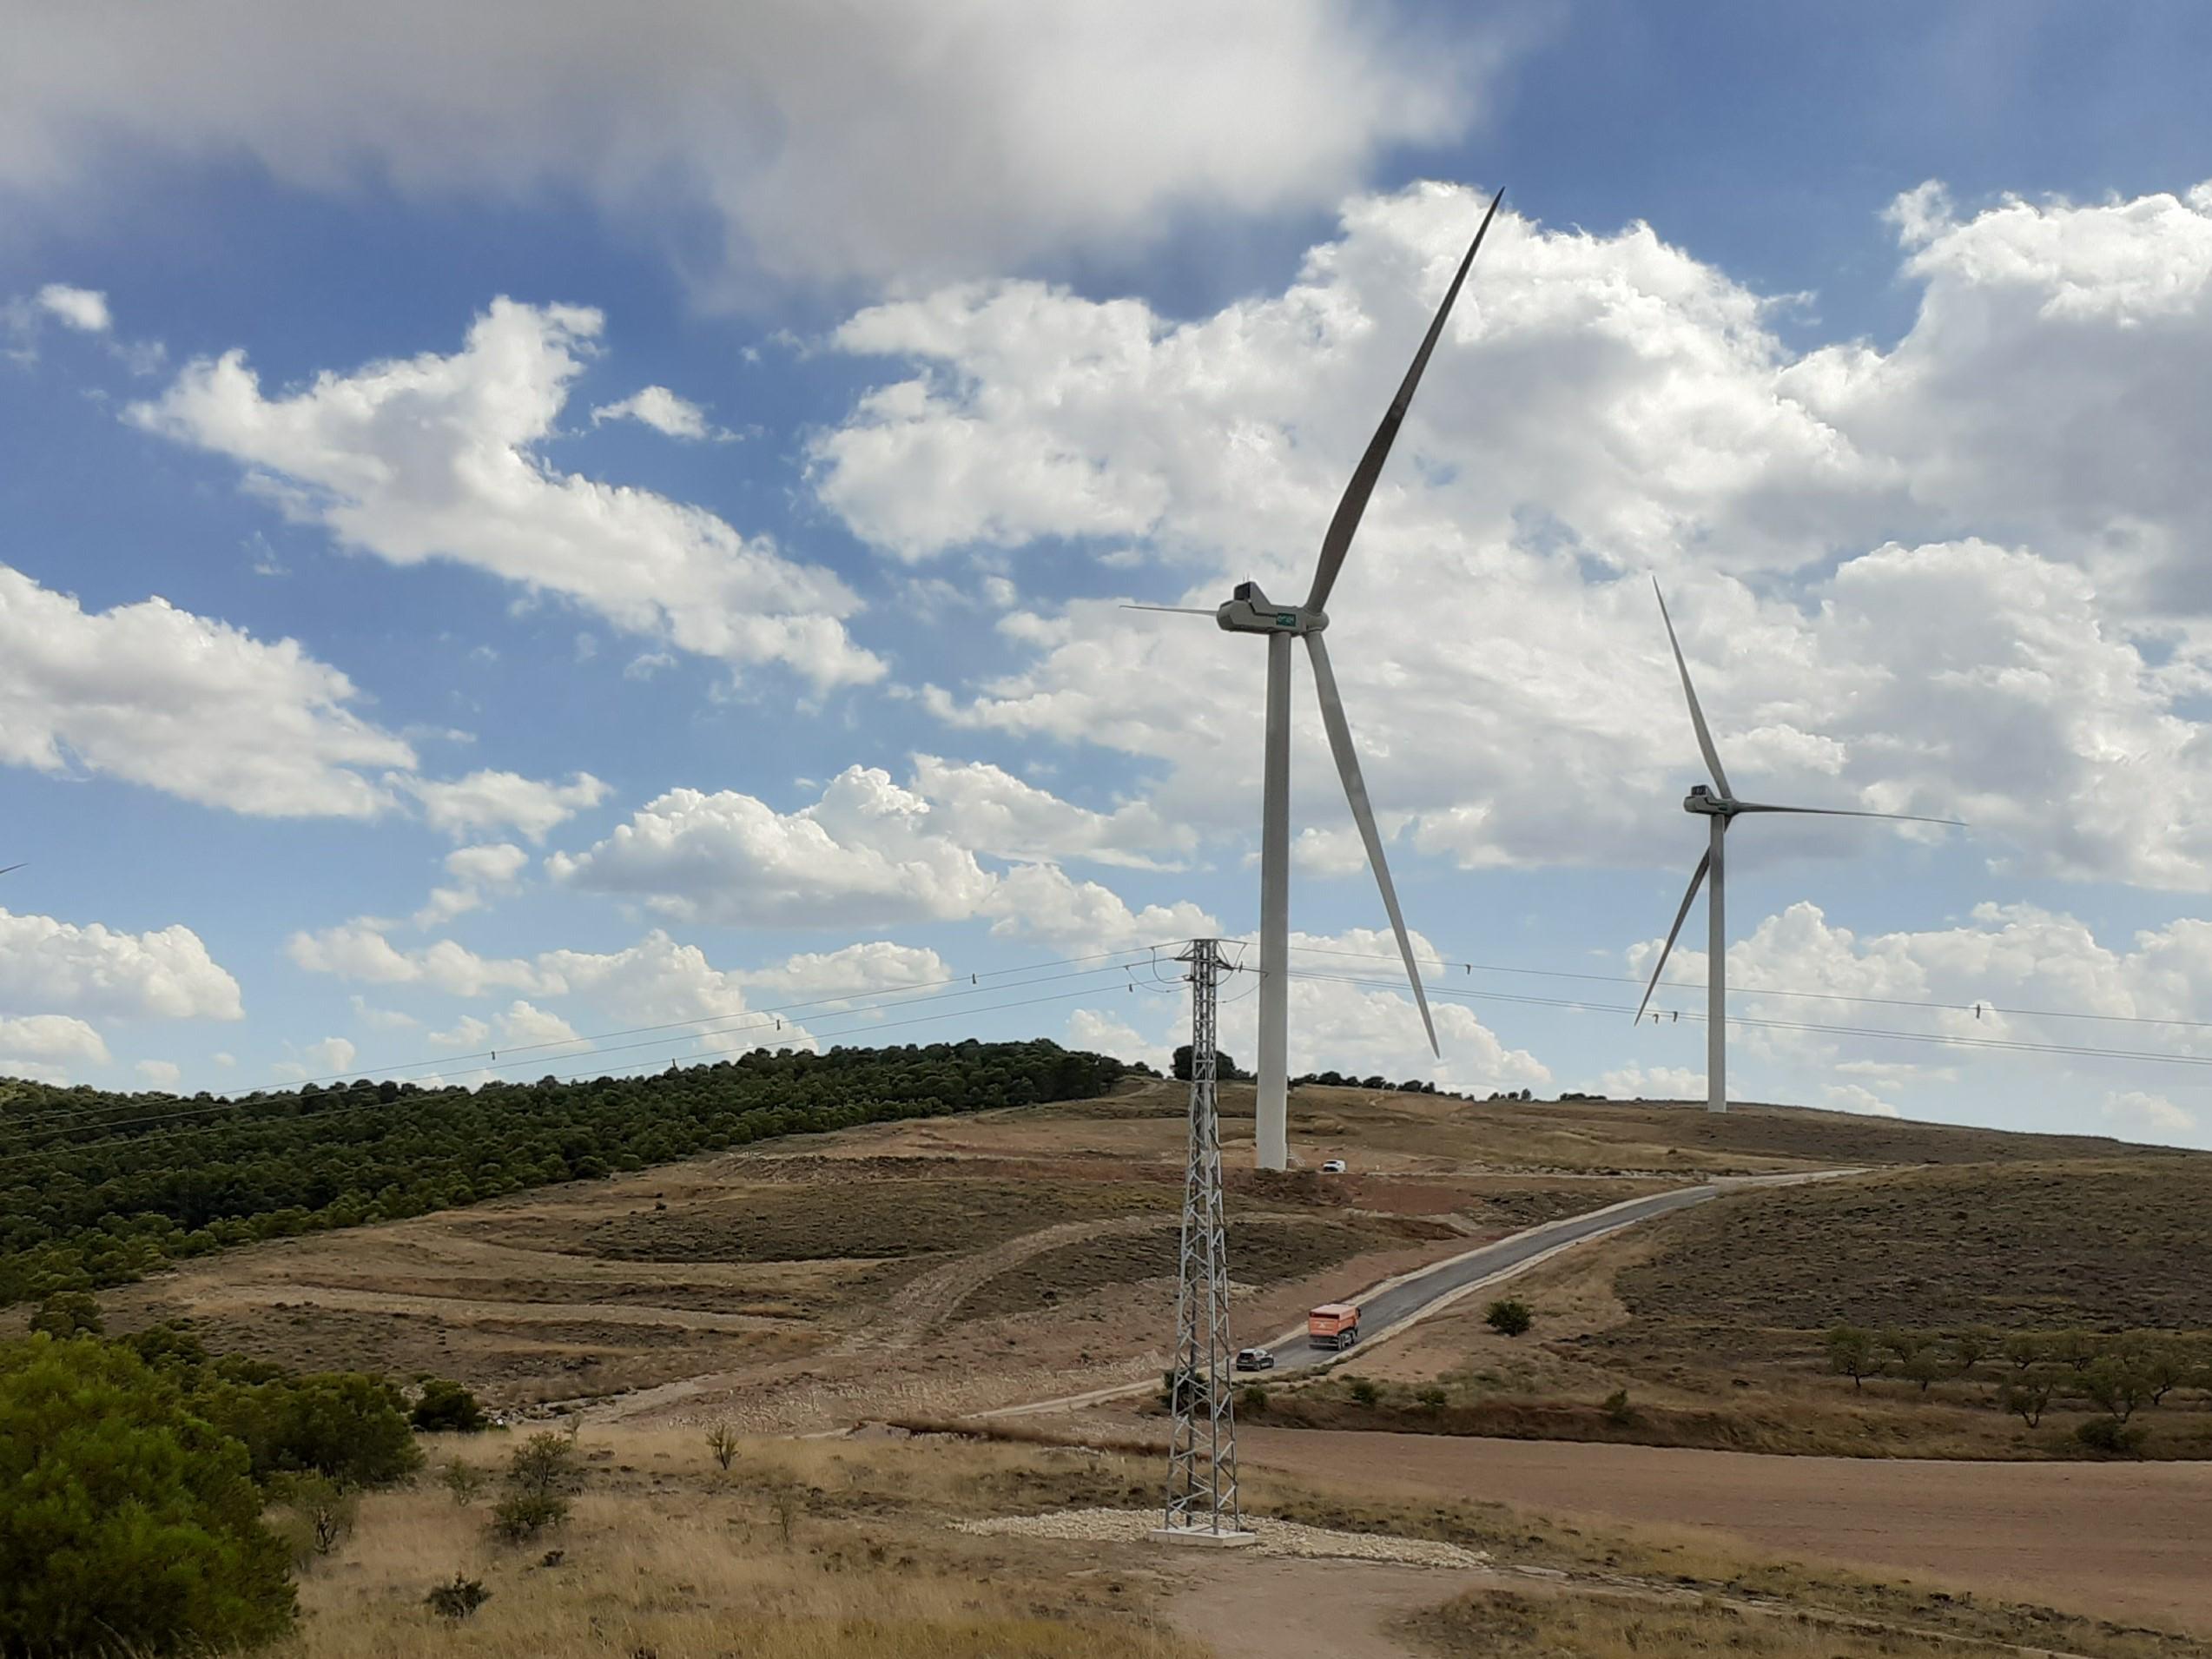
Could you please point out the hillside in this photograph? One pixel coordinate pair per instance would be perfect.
(96, 1188)
(1968, 1281)
(811, 1279)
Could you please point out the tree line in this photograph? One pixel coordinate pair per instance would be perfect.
(99, 1187)
(2116, 1375)
(1227, 1070)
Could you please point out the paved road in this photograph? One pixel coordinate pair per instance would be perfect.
(1398, 1300)
(1389, 1304)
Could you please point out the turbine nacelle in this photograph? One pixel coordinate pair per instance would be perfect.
(1702, 799)
(1251, 611)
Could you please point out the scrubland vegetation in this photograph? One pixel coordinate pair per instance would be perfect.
(98, 1188)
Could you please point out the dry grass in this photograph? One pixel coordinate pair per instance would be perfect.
(666, 1556)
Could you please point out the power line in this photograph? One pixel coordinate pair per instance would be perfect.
(1767, 990)
(2003, 1044)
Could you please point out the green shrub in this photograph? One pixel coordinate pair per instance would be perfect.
(1364, 1392)
(2117, 1383)
(2075, 1348)
(166, 1348)
(463, 1480)
(320, 1514)
(2111, 1437)
(1431, 1399)
(2164, 1367)
(448, 1408)
(1851, 1353)
(69, 1313)
(1617, 1409)
(519, 1516)
(2030, 1397)
(130, 1524)
(1925, 1365)
(350, 1427)
(1904, 1343)
(1252, 1399)
(545, 1463)
(1509, 1318)
(458, 1600)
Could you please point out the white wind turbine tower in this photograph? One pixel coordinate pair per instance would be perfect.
(1251, 611)
(1719, 809)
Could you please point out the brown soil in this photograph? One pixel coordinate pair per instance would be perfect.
(1256, 1609)
(2116, 1540)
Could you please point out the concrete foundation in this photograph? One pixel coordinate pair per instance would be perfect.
(1205, 1537)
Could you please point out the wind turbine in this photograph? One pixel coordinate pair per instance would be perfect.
(1250, 612)
(1719, 810)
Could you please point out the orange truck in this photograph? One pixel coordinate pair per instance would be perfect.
(1333, 1324)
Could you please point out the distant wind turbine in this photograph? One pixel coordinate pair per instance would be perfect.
(1252, 612)
(1719, 809)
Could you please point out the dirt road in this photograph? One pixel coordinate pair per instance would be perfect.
(2124, 1541)
(1254, 1609)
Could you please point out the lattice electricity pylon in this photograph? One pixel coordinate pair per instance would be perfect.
(1202, 1456)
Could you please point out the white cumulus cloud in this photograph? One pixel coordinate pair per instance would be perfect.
(865, 853)
(43, 1046)
(436, 457)
(657, 408)
(179, 702)
(492, 801)
(164, 974)
(82, 309)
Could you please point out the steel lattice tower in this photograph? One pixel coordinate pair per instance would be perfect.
(1202, 1456)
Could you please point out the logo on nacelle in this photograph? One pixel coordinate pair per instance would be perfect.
(1287, 619)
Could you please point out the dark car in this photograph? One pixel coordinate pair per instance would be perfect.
(1255, 1359)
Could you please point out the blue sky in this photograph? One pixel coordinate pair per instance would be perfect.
(1878, 336)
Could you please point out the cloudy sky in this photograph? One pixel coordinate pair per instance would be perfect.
(548, 521)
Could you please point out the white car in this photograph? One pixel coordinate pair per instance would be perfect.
(1334, 1166)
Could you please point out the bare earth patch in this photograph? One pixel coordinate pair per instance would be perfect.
(2113, 1540)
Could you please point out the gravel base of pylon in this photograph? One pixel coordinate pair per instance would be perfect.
(1275, 1538)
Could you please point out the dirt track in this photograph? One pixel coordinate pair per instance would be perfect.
(2125, 1541)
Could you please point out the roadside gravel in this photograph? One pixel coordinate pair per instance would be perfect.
(1275, 1538)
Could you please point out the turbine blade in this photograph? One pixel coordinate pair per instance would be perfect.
(1847, 812)
(4, 872)
(1697, 715)
(1171, 610)
(1340, 745)
(1337, 542)
(1697, 880)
